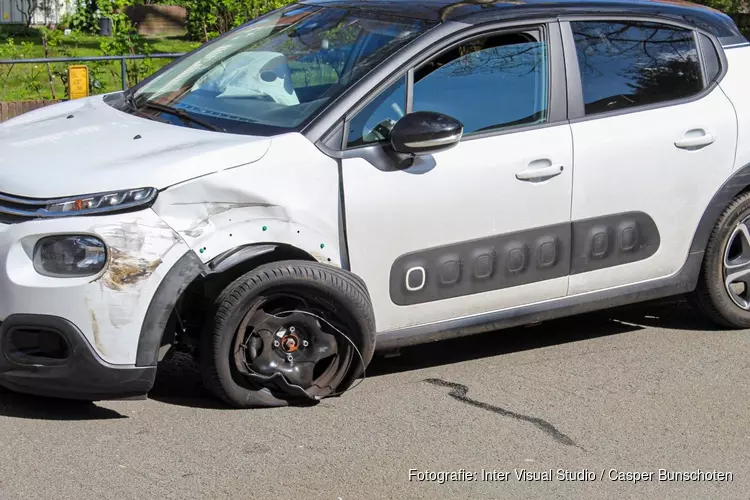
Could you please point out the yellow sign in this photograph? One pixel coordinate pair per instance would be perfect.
(6, 16)
(78, 81)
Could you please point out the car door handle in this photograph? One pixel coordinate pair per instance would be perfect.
(534, 172)
(695, 139)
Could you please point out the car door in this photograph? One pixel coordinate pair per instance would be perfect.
(483, 226)
(654, 139)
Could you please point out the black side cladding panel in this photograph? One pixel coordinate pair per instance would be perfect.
(520, 258)
(612, 240)
(481, 265)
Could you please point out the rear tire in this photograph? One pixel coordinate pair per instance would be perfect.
(718, 295)
(247, 349)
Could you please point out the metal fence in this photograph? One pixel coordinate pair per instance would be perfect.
(123, 59)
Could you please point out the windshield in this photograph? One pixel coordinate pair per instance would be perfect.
(273, 74)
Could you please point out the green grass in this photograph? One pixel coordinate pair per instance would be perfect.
(32, 81)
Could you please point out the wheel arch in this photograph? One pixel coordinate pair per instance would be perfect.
(190, 274)
(736, 184)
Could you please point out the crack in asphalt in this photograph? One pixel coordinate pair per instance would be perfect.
(459, 392)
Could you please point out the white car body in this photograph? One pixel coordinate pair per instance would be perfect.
(220, 192)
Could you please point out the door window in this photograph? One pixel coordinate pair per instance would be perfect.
(374, 123)
(487, 83)
(629, 64)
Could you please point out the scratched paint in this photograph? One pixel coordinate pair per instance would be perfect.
(137, 249)
(127, 270)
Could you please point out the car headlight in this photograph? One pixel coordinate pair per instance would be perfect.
(101, 202)
(69, 256)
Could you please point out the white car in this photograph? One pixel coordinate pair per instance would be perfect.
(340, 176)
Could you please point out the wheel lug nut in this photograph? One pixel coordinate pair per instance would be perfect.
(276, 343)
(305, 343)
(292, 329)
(289, 358)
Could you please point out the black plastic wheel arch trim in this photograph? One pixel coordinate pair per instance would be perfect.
(737, 183)
(179, 277)
(236, 256)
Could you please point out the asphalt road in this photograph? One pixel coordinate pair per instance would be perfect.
(629, 390)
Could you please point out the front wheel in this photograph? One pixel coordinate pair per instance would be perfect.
(287, 332)
(723, 291)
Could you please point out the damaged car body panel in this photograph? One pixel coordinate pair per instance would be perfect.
(253, 205)
(106, 307)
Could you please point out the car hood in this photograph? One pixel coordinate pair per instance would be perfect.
(86, 146)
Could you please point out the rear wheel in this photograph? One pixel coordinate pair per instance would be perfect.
(723, 291)
(285, 333)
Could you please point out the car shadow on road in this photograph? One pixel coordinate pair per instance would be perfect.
(38, 408)
(673, 314)
(178, 381)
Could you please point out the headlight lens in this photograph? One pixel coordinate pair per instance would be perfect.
(69, 256)
(102, 202)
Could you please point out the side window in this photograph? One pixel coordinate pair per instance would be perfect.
(629, 64)
(711, 61)
(374, 123)
(487, 83)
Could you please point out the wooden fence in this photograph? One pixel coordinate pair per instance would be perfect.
(10, 109)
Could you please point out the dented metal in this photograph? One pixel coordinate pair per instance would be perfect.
(273, 201)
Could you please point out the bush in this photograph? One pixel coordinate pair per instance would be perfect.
(87, 13)
(207, 19)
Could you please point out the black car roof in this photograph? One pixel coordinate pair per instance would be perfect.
(479, 11)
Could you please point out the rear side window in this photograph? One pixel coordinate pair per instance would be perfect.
(629, 64)
(711, 60)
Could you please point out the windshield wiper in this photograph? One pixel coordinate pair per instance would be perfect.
(130, 99)
(183, 115)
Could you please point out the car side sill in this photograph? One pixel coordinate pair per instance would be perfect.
(685, 280)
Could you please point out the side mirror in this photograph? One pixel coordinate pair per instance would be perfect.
(425, 132)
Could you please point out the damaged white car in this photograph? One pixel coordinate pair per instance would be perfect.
(343, 176)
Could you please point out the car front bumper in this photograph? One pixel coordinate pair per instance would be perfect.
(80, 375)
(96, 323)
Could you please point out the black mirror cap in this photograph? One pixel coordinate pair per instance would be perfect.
(425, 132)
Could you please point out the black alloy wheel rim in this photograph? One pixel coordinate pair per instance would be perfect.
(291, 335)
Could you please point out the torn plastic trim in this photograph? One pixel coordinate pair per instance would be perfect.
(235, 256)
(176, 281)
